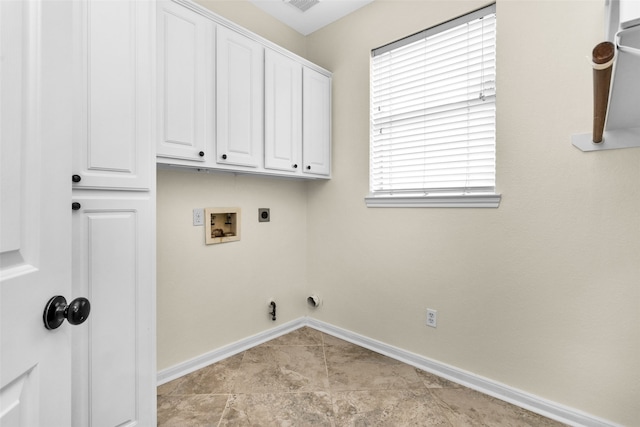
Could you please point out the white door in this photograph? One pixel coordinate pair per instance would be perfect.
(35, 211)
(101, 372)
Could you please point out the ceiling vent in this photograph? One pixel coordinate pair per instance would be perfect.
(302, 5)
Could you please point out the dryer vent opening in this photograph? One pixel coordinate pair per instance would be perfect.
(314, 301)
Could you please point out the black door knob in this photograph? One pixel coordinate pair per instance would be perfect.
(308, 168)
(57, 310)
(224, 157)
(76, 206)
(295, 166)
(76, 178)
(201, 154)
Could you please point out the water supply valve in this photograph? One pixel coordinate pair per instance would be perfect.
(272, 313)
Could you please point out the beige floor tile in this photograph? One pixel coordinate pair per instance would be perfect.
(434, 381)
(286, 409)
(333, 341)
(198, 410)
(270, 369)
(167, 388)
(308, 378)
(214, 379)
(302, 336)
(353, 353)
(355, 368)
(387, 408)
(466, 407)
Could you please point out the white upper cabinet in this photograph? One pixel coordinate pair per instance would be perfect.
(230, 100)
(114, 109)
(239, 99)
(283, 113)
(316, 124)
(185, 83)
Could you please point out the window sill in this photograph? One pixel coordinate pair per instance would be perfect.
(436, 201)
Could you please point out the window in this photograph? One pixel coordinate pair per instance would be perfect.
(433, 116)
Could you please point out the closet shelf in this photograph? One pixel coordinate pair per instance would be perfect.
(622, 128)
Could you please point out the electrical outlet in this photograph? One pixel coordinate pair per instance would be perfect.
(264, 215)
(432, 317)
(198, 216)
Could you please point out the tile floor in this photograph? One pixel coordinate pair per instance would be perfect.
(308, 378)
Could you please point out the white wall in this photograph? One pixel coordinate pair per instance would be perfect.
(542, 294)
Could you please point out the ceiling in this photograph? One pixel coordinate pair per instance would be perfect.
(315, 17)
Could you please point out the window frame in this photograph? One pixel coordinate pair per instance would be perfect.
(428, 197)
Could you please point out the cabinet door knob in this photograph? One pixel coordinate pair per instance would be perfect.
(224, 157)
(76, 178)
(76, 206)
(295, 166)
(308, 168)
(201, 154)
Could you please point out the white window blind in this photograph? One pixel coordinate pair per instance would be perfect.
(433, 110)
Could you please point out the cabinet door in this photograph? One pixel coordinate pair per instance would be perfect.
(283, 112)
(114, 110)
(185, 83)
(239, 95)
(113, 266)
(316, 138)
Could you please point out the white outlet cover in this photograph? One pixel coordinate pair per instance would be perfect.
(198, 216)
(432, 318)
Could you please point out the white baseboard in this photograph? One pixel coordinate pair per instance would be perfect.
(222, 353)
(500, 391)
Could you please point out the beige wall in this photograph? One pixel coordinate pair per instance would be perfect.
(249, 16)
(213, 295)
(541, 294)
